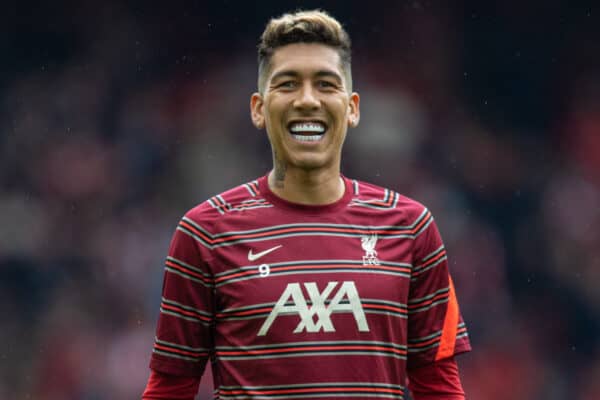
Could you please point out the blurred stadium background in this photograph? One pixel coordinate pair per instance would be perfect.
(117, 117)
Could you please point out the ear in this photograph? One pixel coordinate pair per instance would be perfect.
(256, 110)
(354, 110)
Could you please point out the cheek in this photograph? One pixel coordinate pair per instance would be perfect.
(342, 113)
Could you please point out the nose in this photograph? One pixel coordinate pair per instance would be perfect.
(307, 97)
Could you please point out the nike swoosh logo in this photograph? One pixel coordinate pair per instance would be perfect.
(254, 257)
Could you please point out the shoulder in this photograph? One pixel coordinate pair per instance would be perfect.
(379, 198)
(241, 198)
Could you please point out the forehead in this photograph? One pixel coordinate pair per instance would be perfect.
(305, 58)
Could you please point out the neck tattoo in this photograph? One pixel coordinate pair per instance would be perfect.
(279, 173)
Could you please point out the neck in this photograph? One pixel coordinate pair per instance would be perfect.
(307, 187)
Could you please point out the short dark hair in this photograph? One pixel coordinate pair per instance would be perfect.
(314, 26)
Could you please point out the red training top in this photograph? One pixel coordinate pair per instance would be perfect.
(292, 301)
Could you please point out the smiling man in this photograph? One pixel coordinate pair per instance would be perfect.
(305, 283)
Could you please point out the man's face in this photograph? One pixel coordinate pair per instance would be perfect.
(305, 107)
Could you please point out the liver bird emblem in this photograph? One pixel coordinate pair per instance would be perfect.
(368, 244)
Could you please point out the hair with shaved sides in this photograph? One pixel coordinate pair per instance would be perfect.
(315, 26)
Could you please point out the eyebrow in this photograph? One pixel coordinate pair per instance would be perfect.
(319, 74)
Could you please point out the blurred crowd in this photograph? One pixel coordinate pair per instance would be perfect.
(116, 120)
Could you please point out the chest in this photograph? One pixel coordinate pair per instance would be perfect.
(311, 281)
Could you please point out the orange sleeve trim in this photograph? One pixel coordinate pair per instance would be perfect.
(448, 339)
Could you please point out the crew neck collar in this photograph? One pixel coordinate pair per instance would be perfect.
(263, 186)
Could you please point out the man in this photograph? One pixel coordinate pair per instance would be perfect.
(304, 283)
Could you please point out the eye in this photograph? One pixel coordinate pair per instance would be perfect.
(287, 85)
(326, 84)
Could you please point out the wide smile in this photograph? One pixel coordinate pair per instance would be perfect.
(307, 131)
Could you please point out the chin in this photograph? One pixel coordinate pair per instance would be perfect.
(310, 164)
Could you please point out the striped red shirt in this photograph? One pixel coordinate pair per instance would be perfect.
(294, 301)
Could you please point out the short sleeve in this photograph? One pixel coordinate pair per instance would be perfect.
(436, 329)
(183, 334)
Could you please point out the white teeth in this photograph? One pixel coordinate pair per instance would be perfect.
(308, 127)
(307, 138)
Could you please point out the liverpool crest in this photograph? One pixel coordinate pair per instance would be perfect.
(368, 243)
